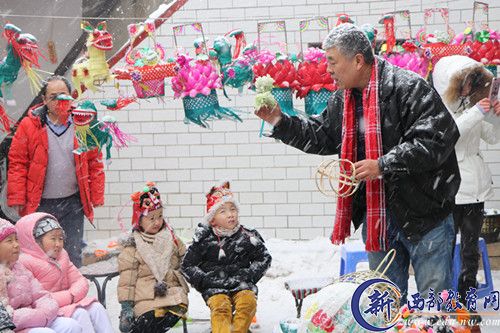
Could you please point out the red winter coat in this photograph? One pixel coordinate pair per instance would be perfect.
(28, 159)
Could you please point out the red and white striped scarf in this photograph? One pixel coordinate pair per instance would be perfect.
(375, 194)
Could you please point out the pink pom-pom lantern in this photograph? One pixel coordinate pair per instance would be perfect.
(195, 77)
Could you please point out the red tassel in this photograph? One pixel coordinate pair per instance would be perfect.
(6, 121)
(389, 33)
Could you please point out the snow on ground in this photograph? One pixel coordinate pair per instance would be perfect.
(291, 259)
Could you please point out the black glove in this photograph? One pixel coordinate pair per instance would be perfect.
(214, 279)
(232, 268)
(126, 316)
(243, 275)
(234, 282)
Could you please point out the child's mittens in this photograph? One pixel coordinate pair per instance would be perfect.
(233, 282)
(126, 316)
(264, 86)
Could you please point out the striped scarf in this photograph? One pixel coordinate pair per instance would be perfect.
(375, 194)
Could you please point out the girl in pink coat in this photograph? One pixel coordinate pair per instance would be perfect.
(32, 308)
(42, 240)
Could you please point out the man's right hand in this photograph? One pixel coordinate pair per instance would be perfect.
(270, 115)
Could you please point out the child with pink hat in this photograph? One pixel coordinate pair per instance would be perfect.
(33, 309)
(42, 245)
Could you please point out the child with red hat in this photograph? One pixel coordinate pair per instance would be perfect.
(225, 262)
(151, 288)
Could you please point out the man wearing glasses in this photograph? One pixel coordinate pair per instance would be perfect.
(46, 176)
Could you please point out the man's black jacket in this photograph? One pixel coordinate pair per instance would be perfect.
(419, 165)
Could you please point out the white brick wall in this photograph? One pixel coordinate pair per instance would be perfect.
(274, 182)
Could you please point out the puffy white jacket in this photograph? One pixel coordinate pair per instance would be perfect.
(476, 183)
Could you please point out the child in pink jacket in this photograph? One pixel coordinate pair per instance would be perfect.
(42, 241)
(33, 309)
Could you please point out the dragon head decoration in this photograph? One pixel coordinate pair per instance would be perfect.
(22, 51)
(89, 132)
(92, 71)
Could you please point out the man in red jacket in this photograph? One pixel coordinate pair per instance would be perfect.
(46, 176)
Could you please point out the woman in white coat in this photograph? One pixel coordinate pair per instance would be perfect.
(464, 86)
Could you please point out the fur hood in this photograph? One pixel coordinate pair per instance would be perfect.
(451, 73)
(127, 240)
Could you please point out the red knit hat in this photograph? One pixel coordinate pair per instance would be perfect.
(145, 201)
(216, 198)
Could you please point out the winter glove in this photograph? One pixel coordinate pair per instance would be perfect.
(232, 268)
(220, 280)
(235, 283)
(214, 279)
(126, 316)
(245, 274)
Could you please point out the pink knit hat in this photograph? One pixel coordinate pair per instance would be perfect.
(6, 229)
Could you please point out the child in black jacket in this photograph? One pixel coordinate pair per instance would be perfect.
(225, 262)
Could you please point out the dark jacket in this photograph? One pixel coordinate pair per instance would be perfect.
(245, 262)
(419, 165)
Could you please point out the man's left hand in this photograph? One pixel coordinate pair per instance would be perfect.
(367, 169)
